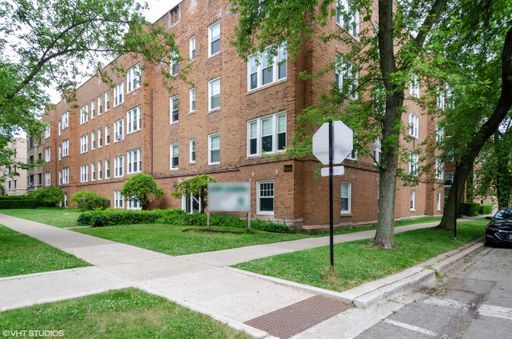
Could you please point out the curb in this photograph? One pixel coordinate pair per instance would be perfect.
(373, 292)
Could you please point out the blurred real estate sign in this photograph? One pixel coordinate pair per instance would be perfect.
(229, 197)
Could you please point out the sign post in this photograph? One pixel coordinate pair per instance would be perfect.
(332, 143)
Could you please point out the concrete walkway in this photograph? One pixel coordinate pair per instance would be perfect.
(201, 282)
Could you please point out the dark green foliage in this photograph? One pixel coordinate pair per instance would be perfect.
(9, 202)
(142, 186)
(87, 200)
(50, 196)
(485, 209)
(470, 208)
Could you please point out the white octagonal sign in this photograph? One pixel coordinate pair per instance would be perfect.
(342, 142)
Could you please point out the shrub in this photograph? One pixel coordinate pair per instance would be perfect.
(470, 208)
(49, 196)
(142, 186)
(485, 209)
(9, 202)
(113, 217)
(87, 200)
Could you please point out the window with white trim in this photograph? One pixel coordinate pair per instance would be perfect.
(265, 197)
(100, 138)
(101, 108)
(107, 134)
(47, 154)
(107, 169)
(439, 134)
(346, 77)
(174, 156)
(174, 60)
(118, 200)
(84, 114)
(439, 169)
(59, 154)
(265, 68)
(65, 175)
(118, 130)
(174, 104)
(59, 178)
(47, 179)
(107, 100)
(118, 166)
(134, 161)
(347, 17)
(214, 149)
(59, 128)
(47, 132)
(414, 125)
(84, 144)
(192, 99)
(414, 164)
(213, 39)
(213, 94)
(346, 198)
(100, 170)
(93, 141)
(133, 120)
(192, 48)
(377, 150)
(65, 120)
(414, 86)
(65, 147)
(133, 78)
(93, 172)
(84, 173)
(440, 98)
(412, 201)
(266, 134)
(93, 109)
(118, 94)
(133, 204)
(439, 201)
(192, 151)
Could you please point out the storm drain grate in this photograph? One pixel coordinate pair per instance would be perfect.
(293, 319)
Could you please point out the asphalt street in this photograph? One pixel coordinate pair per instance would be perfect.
(474, 300)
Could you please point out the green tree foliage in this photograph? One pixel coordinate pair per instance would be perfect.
(142, 187)
(50, 196)
(197, 186)
(57, 42)
(88, 200)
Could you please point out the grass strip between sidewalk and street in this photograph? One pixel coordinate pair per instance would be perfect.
(127, 313)
(358, 262)
(60, 217)
(21, 254)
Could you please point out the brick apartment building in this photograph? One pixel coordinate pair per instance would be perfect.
(233, 125)
(15, 177)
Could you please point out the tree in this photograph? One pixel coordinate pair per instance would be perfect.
(141, 187)
(50, 196)
(389, 58)
(57, 42)
(197, 186)
(88, 200)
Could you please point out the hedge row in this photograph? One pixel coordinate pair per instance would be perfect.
(473, 209)
(176, 217)
(20, 203)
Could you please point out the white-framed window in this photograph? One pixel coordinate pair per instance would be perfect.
(213, 94)
(133, 120)
(414, 125)
(192, 99)
(118, 200)
(174, 108)
(213, 39)
(65, 175)
(84, 144)
(118, 94)
(414, 86)
(93, 109)
(133, 78)
(107, 169)
(100, 170)
(439, 201)
(84, 173)
(59, 128)
(59, 178)
(100, 138)
(448, 178)
(134, 161)
(412, 201)
(118, 166)
(192, 151)
(346, 198)
(65, 120)
(439, 169)
(265, 197)
(107, 100)
(346, 77)
(440, 98)
(47, 132)
(174, 152)
(439, 134)
(192, 48)
(93, 140)
(59, 154)
(84, 114)
(264, 68)
(377, 150)
(174, 61)
(65, 147)
(101, 108)
(47, 179)
(266, 134)
(347, 17)
(118, 130)
(93, 172)
(191, 203)
(414, 164)
(214, 149)
(107, 134)
(133, 204)
(47, 154)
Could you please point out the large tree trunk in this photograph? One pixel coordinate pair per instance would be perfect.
(463, 167)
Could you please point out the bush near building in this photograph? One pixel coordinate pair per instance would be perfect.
(48, 197)
(88, 200)
(485, 209)
(470, 208)
(20, 201)
(143, 188)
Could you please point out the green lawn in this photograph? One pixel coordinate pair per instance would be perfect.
(60, 217)
(173, 240)
(357, 262)
(127, 313)
(21, 254)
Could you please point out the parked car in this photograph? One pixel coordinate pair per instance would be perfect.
(499, 230)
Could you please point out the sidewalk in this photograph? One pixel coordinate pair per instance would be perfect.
(201, 282)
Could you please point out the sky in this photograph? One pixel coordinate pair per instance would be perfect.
(156, 8)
